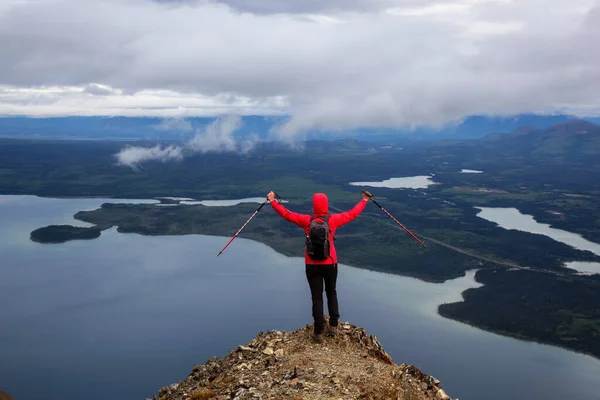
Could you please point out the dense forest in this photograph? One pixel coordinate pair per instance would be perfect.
(63, 233)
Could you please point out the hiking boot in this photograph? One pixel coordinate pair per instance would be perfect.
(318, 337)
(332, 331)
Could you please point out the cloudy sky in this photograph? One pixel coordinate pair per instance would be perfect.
(331, 64)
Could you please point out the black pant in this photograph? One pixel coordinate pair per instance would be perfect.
(316, 275)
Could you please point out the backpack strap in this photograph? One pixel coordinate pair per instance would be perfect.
(313, 217)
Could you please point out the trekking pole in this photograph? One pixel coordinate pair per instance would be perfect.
(249, 219)
(370, 196)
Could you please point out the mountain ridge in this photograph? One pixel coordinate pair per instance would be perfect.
(156, 128)
(575, 139)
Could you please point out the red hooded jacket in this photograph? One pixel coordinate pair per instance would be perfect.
(320, 209)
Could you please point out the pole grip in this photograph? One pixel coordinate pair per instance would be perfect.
(278, 197)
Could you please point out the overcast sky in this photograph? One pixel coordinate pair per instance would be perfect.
(331, 64)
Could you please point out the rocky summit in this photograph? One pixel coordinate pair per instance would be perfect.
(349, 364)
(5, 396)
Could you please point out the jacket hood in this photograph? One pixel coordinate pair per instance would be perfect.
(320, 204)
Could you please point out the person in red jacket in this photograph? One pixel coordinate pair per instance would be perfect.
(321, 271)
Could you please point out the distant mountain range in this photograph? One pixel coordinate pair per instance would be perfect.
(129, 128)
(576, 139)
(152, 128)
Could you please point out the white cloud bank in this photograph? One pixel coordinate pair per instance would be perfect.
(330, 64)
(216, 137)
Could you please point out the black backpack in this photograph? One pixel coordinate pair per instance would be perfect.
(317, 240)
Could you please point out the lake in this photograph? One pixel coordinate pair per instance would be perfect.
(511, 218)
(227, 203)
(120, 316)
(407, 182)
(213, 203)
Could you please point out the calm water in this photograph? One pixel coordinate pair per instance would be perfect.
(511, 218)
(227, 203)
(213, 203)
(120, 316)
(407, 182)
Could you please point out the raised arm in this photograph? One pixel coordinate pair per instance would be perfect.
(301, 220)
(345, 217)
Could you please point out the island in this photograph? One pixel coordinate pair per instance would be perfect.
(64, 233)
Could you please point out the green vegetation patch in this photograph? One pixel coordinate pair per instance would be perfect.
(63, 233)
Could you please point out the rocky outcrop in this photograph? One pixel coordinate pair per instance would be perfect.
(5, 396)
(291, 366)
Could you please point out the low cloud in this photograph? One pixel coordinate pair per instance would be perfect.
(248, 144)
(216, 137)
(174, 124)
(331, 65)
(133, 156)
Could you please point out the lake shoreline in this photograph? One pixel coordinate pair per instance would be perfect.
(504, 333)
(423, 278)
(512, 218)
(494, 203)
(182, 202)
(521, 338)
(447, 316)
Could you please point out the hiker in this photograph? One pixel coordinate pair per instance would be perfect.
(320, 257)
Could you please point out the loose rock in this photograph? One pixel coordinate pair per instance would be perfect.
(268, 351)
(290, 365)
(441, 395)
